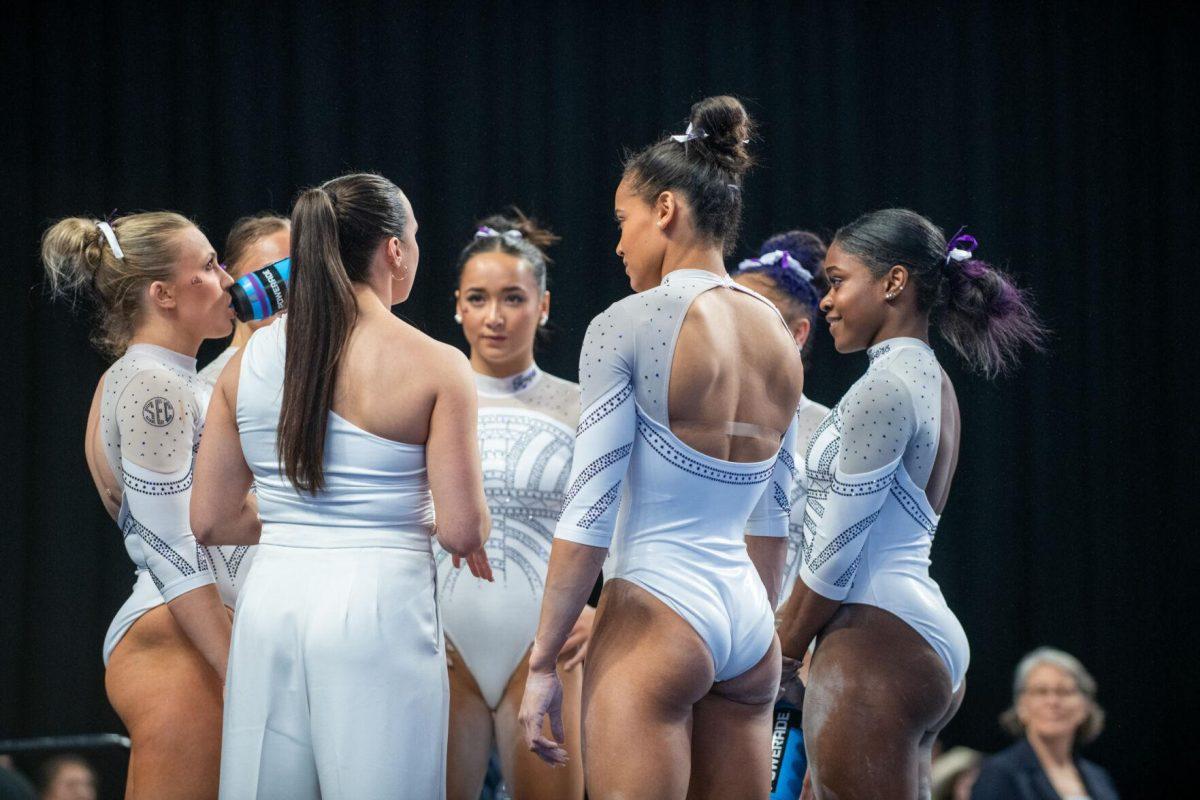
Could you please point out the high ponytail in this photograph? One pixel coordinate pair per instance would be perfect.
(335, 230)
(977, 307)
(80, 262)
(986, 318)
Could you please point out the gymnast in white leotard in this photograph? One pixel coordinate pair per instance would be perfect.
(162, 293)
(147, 393)
(788, 272)
(888, 670)
(689, 392)
(527, 421)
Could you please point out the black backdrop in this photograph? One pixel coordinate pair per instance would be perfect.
(1063, 134)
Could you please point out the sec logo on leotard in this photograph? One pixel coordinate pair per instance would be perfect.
(158, 411)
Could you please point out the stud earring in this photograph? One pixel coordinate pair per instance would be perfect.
(458, 318)
(542, 323)
(890, 296)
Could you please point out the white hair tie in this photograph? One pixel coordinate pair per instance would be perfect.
(690, 134)
(783, 258)
(107, 230)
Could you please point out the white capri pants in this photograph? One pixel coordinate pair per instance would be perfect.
(337, 686)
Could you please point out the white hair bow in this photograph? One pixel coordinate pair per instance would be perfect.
(107, 230)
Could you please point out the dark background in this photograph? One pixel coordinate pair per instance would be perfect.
(1063, 134)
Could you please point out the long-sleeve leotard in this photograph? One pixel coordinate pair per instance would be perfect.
(868, 526)
(679, 516)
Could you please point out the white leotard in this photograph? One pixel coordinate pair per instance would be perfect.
(337, 678)
(808, 416)
(212, 370)
(151, 419)
(868, 525)
(526, 435)
(683, 515)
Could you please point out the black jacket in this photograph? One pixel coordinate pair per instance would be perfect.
(1016, 774)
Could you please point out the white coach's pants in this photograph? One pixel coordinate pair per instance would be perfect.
(337, 685)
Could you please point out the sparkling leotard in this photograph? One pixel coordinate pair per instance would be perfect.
(683, 515)
(151, 419)
(526, 435)
(868, 525)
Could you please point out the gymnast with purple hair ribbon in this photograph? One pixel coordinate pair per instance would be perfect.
(889, 666)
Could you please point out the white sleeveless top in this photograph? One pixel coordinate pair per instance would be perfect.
(376, 490)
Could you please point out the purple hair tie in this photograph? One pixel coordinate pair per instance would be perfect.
(512, 236)
(961, 247)
(781, 257)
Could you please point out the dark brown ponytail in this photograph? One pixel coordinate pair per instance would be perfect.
(335, 230)
(977, 307)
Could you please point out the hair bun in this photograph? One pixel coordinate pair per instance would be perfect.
(728, 129)
(71, 255)
(513, 219)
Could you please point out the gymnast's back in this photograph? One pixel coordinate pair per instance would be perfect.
(689, 393)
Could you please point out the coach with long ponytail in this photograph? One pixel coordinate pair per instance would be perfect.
(352, 425)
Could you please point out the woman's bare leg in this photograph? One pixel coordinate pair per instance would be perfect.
(170, 700)
(470, 739)
(528, 777)
(646, 669)
(731, 734)
(876, 692)
(926, 765)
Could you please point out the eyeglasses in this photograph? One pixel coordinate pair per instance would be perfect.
(1061, 692)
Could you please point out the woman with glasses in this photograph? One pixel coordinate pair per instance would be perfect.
(1054, 711)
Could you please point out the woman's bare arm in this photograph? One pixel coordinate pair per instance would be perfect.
(223, 510)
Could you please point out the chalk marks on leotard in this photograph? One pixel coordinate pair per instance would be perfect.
(134, 528)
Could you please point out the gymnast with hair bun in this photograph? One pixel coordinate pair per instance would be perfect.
(890, 662)
(788, 272)
(527, 420)
(689, 395)
(161, 292)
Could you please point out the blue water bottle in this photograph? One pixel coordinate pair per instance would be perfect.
(259, 294)
(788, 761)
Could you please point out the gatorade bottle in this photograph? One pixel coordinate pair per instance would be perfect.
(259, 294)
(788, 761)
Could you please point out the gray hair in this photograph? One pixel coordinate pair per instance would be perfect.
(1092, 725)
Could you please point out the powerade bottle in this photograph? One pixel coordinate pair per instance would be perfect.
(788, 761)
(259, 294)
